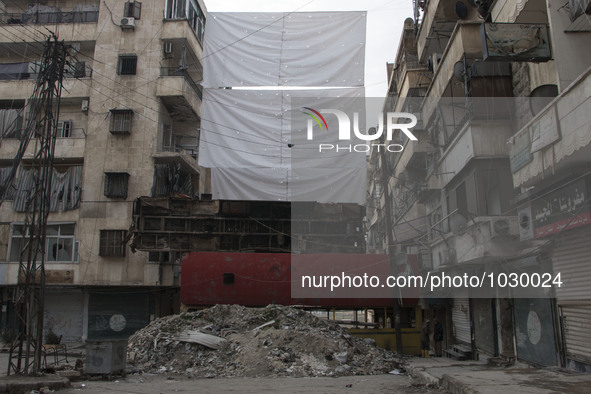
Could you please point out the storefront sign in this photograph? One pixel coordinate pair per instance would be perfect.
(563, 209)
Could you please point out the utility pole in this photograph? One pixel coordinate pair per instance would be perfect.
(390, 243)
(43, 114)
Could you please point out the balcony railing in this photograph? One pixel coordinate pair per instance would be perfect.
(172, 142)
(29, 70)
(48, 17)
(176, 72)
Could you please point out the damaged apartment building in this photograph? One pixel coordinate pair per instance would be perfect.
(499, 179)
(129, 123)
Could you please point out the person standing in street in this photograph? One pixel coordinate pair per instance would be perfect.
(437, 336)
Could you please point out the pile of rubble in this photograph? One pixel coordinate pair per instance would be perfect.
(235, 341)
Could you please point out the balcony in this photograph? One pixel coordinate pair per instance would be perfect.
(557, 139)
(16, 25)
(476, 139)
(180, 93)
(465, 42)
(179, 29)
(176, 147)
(65, 148)
(438, 22)
(481, 239)
(17, 81)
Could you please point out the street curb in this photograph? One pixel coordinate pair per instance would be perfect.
(422, 376)
(455, 386)
(22, 384)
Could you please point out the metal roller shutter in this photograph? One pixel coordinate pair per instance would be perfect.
(571, 259)
(577, 334)
(461, 320)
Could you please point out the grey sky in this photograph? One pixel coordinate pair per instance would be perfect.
(384, 25)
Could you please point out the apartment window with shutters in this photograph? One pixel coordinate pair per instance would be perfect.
(116, 184)
(127, 65)
(112, 243)
(121, 121)
(133, 9)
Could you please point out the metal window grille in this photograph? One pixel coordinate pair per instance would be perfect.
(121, 121)
(112, 243)
(127, 65)
(116, 184)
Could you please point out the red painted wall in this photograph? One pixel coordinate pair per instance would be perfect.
(259, 279)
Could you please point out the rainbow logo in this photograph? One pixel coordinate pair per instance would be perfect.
(315, 115)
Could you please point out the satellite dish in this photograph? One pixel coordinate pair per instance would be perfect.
(458, 224)
(460, 71)
(541, 96)
(461, 10)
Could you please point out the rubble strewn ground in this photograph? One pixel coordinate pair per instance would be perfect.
(297, 344)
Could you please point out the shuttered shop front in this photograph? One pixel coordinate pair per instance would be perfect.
(572, 259)
(117, 315)
(461, 320)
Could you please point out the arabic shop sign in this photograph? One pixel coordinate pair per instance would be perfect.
(566, 208)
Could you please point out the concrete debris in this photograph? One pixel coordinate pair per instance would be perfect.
(255, 342)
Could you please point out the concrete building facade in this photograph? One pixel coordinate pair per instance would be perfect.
(128, 127)
(508, 136)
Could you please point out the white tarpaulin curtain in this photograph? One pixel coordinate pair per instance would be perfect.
(248, 138)
(284, 49)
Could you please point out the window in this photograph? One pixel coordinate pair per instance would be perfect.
(112, 243)
(116, 184)
(127, 65)
(228, 278)
(75, 70)
(60, 244)
(64, 129)
(121, 121)
(133, 9)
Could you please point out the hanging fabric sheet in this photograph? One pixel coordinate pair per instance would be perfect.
(66, 187)
(284, 49)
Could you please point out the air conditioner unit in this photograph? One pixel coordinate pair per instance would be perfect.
(127, 23)
(504, 227)
(84, 106)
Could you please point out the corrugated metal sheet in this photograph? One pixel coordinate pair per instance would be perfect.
(571, 259)
(577, 331)
(461, 320)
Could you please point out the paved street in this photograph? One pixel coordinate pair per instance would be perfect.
(180, 384)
